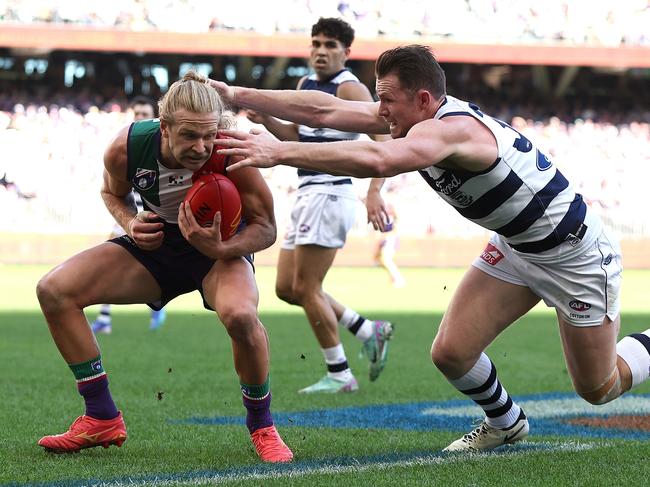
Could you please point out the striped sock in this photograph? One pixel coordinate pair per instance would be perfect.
(635, 350)
(104, 315)
(257, 401)
(92, 383)
(359, 326)
(483, 387)
(337, 363)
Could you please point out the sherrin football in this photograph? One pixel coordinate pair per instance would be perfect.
(211, 193)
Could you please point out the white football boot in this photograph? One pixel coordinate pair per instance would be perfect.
(485, 437)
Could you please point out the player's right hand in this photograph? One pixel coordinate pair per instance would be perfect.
(256, 117)
(145, 229)
(377, 212)
(226, 92)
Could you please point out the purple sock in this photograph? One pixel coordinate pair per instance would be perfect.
(99, 403)
(259, 413)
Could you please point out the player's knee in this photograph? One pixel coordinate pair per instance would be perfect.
(451, 360)
(241, 322)
(442, 356)
(48, 293)
(301, 293)
(285, 294)
(607, 392)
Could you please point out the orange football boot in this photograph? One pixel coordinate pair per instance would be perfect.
(270, 446)
(87, 432)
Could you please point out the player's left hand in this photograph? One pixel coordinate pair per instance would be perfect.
(377, 212)
(206, 240)
(257, 148)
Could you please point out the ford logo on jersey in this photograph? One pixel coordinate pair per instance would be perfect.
(543, 163)
(579, 306)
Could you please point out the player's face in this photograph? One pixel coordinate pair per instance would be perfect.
(142, 111)
(189, 139)
(397, 106)
(327, 55)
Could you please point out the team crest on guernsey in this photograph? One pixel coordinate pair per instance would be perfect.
(144, 178)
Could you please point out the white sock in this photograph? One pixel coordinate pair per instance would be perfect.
(635, 350)
(337, 363)
(359, 326)
(104, 314)
(482, 385)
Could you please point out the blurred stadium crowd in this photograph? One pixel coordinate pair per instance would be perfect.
(606, 22)
(50, 173)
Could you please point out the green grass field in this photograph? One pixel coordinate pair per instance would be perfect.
(182, 404)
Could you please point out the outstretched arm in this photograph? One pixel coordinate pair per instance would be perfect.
(307, 107)
(426, 144)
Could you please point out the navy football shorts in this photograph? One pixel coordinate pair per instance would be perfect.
(177, 267)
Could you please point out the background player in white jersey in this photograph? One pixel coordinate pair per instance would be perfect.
(547, 243)
(143, 109)
(164, 254)
(321, 217)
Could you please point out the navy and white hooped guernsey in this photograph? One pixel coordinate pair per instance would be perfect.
(309, 134)
(522, 196)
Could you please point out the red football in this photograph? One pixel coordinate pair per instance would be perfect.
(211, 193)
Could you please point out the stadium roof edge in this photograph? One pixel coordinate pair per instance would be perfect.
(55, 37)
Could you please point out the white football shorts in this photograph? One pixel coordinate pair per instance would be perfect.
(583, 287)
(322, 214)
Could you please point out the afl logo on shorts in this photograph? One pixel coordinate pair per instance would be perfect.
(579, 306)
(492, 255)
(144, 179)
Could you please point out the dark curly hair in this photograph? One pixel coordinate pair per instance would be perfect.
(335, 28)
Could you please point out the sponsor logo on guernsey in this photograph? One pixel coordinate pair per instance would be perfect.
(144, 178)
(492, 255)
(176, 180)
(608, 259)
(462, 199)
(574, 239)
(447, 184)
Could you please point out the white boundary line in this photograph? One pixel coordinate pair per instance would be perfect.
(216, 477)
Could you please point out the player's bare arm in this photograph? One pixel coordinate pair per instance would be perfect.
(144, 228)
(308, 107)
(428, 143)
(257, 208)
(281, 129)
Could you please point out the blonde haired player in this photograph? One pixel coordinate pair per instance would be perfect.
(164, 254)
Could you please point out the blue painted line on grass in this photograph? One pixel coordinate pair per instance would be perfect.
(328, 465)
(428, 416)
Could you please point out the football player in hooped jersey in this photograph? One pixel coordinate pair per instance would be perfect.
(166, 253)
(321, 217)
(547, 243)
